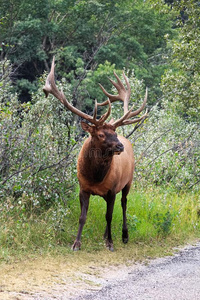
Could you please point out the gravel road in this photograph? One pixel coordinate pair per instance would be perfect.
(175, 277)
(171, 278)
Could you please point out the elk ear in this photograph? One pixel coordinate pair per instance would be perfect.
(86, 127)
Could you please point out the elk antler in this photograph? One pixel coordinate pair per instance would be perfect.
(51, 88)
(124, 95)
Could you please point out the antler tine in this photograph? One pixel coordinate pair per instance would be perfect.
(51, 88)
(136, 112)
(123, 93)
(95, 110)
(119, 85)
(110, 96)
(104, 116)
(128, 93)
(126, 118)
(128, 122)
(107, 114)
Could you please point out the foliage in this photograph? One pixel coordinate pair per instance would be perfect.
(180, 83)
(38, 149)
(91, 33)
(167, 150)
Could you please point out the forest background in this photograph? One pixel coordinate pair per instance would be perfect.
(157, 44)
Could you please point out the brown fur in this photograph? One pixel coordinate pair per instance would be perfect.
(104, 173)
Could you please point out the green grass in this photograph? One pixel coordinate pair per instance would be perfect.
(155, 217)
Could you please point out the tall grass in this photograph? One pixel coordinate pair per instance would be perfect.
(153, 215)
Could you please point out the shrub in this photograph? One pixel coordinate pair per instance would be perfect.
(167, 150)
(38, 147)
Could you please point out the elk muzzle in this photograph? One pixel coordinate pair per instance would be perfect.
(118, 148)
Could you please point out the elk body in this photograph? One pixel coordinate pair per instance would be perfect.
(106, 161)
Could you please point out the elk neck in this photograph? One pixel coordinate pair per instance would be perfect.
(96, 164)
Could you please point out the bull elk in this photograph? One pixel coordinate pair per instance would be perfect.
(106, 161)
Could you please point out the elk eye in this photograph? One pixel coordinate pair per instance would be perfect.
(101, 135)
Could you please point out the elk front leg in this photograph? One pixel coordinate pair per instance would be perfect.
(124, 206)
(84, 203)
(110, 199)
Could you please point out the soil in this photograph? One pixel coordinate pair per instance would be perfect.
(102, 276)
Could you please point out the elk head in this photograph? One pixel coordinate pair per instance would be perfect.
(103, 140)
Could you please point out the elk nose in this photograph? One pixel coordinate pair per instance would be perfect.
(120, 147)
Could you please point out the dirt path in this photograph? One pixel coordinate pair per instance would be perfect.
(172, 278)
(87, 276)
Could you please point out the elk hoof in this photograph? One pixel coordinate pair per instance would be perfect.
(125, 240)
(125, 236)
(109, 246)
(76, 246)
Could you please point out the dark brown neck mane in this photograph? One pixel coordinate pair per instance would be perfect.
(95, 164)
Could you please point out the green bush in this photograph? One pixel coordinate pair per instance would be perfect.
(167, 150)
(38, 148)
